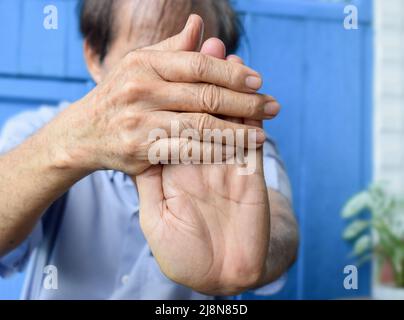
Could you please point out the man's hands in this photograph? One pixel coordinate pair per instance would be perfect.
(110, 127)
(207, 226)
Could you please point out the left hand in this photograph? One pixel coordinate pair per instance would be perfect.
(207, 226)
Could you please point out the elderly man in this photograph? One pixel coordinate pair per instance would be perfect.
(79, 195)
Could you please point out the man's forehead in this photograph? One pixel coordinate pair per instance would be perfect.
(148, 22)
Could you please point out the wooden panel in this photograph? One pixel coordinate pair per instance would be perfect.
(43, 52)
(303, 9)
(75, 65)
(321, 74)
(42, 89)
(10, 17)
(331, 154)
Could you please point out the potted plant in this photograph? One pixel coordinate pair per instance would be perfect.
(376, 229)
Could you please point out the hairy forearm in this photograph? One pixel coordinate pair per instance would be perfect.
(284, 238)
(30, 181)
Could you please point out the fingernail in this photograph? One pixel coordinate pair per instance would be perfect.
(188, 22)
(261, 137)
(271, 108)
(253, 82)
(257, 137)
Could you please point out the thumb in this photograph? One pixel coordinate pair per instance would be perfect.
(149, 185)
(214, 47)
(189, 39)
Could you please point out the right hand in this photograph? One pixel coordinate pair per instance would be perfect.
(150, 88)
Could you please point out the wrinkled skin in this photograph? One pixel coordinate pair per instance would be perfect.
(207, 225)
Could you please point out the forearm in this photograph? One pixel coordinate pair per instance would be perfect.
(282, 247)
(31, 179)
(284, 239)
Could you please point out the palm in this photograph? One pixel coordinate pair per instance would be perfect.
(203, 220)
(200, 220)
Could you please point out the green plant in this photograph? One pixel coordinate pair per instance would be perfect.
(382, 232)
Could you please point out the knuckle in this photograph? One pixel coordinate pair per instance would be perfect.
(237, 75)
(127, 133)
(129, 88)
(228, 72)
(185, 149)
(131, 57)
(135, 89)
(253, 104)
(136, 119)
(204, 121)
(137, 58)
(210, 98)
(126, 151)
(199, 65)
(184, 121)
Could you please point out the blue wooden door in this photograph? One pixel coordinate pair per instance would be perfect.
(37, 66)
(320, 72)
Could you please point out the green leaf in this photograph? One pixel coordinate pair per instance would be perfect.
(354, 229)
(356, 205)
(364, 259)
(362, 245)
(398, 259)
(386, 236)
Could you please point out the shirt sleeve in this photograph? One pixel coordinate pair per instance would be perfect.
(277, 179)
(274, 170)
(14, 132)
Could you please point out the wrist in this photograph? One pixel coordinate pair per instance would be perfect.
(62, 144)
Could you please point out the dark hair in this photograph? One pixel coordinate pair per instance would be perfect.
(97, 23)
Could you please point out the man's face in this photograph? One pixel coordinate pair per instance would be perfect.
(140, 23)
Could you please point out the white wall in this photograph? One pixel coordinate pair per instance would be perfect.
(389, 93)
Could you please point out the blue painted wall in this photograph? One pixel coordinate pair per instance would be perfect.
(320, 72)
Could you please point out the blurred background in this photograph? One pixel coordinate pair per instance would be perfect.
(339, 129)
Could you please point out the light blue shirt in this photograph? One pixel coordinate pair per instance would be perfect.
(93, 236)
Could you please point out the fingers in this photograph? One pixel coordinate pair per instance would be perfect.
(189, 39)
(201, 127)
(235, 59)
(187, 151)
(254, 122)
(249, 122)
(149, 186)
(205, 127)
(207, 98)
(192, 67)
(214, 47)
